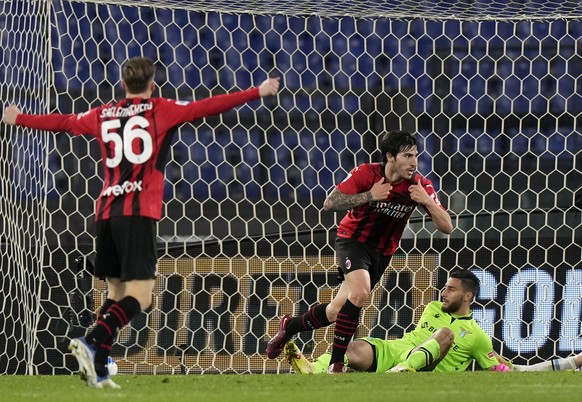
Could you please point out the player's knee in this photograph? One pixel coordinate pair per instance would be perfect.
(360, 355)
(145, 302)
(332, 311)
(359, 297)
(142, 291)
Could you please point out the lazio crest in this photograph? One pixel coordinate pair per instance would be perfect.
(464, 332)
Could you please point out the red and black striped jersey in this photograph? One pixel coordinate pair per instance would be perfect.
(135, 135)
(379, 224)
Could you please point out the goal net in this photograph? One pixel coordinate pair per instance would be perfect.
(492, 89)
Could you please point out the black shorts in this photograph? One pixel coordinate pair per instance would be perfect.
(353, 255)
(126, 248)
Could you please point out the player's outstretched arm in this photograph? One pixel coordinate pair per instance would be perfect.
(10, 114)
(220, 103)
(269, 87)
(49, 122)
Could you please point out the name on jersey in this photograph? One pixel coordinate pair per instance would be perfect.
(129, 110)
(119, 189)
(391, 209)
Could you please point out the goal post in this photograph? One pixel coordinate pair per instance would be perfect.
(24, 67)
(491, 88)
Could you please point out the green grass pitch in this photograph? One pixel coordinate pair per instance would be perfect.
(354, 387)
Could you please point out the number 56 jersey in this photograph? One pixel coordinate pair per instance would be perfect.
(135, 135)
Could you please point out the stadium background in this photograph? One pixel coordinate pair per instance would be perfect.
(496, 105)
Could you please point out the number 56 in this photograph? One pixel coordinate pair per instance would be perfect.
(134, 129)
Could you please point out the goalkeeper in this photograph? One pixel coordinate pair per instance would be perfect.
(447, 338)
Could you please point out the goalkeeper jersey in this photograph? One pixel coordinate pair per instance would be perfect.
(135, 136)
(471, 342)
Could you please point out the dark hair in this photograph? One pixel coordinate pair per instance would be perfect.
(138, 72)
(396, 141)
(468, 279)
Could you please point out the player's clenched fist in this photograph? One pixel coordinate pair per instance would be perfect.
(269, 87)
(10, 114)
(418, 193)
(380, 190)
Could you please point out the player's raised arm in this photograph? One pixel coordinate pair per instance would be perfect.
(219, 103)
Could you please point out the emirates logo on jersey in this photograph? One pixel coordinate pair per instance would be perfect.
(119, 189)
(392, 209)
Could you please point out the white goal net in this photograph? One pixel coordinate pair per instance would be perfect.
(492, 89)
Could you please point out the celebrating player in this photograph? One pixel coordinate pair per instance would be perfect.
(379, 198)
(135, 136)
(446, 338)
